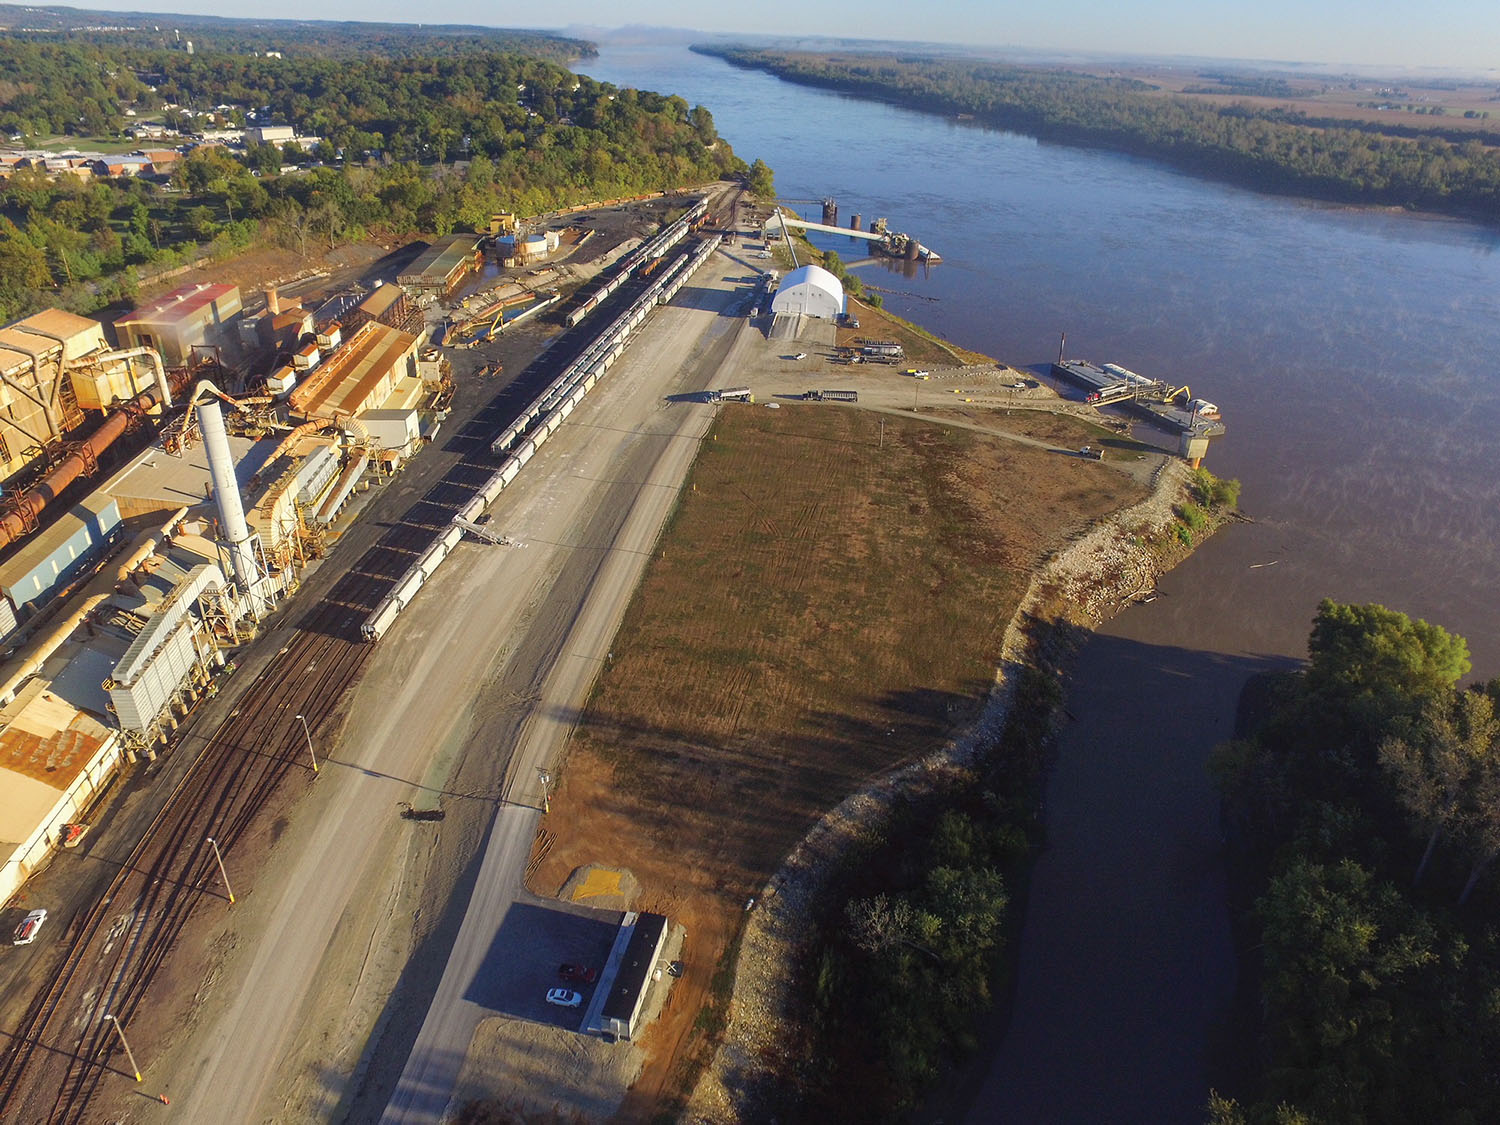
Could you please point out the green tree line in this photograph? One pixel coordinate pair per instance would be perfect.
(1271, 150)
(531, 135)
(1363, 814)
(300, 37)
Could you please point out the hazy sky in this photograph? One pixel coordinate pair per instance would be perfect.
(1395, 33)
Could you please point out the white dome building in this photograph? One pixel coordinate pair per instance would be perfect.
(809, 291)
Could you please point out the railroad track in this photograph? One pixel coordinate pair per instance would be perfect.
(53, 1064)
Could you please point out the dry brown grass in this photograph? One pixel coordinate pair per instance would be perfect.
(821, 610)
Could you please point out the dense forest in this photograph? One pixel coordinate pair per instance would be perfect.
(1273, 150)
(299, 37)
(1362, 810)
(419, 144)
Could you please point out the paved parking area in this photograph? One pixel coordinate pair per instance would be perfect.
(521, 964)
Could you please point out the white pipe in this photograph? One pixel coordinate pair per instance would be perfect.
(157, 368)
(96, 592)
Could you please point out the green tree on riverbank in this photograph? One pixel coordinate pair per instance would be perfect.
(1380, 987)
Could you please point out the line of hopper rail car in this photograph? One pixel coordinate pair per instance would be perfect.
(53, 1063)
(647, 252)
(519, 442)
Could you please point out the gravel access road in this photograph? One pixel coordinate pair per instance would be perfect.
(325, 946)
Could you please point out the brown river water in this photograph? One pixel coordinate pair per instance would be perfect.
(1356, 357)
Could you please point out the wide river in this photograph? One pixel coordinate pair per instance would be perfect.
(1356, 356)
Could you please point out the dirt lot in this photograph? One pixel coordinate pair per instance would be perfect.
(821, 609)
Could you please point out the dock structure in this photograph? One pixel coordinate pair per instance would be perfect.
(885, 239)
(1111, 384)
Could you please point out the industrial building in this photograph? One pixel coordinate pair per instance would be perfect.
(109, 649)
(38, 403)
(57, 750)
(269, 134)
(643, 936)
(359, 375)
(112, 652)
(195, 316)
(388, 305)
(809, 291)
(374, 372)
(55, 558)
(442, 266)
(110, 676)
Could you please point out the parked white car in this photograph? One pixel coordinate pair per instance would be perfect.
(564, 998)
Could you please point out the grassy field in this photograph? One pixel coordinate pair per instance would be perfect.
(106, 145)
(820, 610)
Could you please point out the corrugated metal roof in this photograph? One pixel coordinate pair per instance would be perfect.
(352, 373)
(381, 300)
(46, 738)
(179, 304)
(442, 259)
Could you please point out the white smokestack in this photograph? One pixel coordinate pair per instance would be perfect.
(234, 531)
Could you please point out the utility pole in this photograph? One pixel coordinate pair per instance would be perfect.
(222, 873)
(308, 735)
(546, 781)
(129, 1054)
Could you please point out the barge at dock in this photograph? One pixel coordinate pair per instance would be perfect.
(1171, 407)
(893, 244)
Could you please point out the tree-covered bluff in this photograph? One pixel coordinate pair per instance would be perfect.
(1268, 149)
(417, 144)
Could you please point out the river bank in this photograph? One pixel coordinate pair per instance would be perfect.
(1260, 148)
(1104, 569)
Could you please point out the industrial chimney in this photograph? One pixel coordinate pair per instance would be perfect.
(273, 301)
(235, 538)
